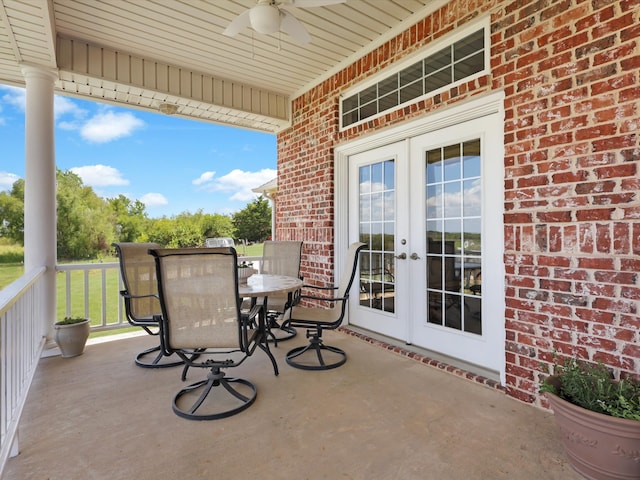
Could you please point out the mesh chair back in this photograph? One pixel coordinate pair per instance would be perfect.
(335, 312)
(349, 272)
(138, 272)
(281, 258)
(198, 290)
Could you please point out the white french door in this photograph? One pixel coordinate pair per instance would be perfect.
(429, 207)
(375, 199)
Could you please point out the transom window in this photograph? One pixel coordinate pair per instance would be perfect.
(448, 66)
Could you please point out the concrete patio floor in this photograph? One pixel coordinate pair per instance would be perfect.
(380, 416)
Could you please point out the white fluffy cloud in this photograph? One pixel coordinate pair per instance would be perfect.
(205, 178)
(154, 199)
(237, 182)
(107, 126)
(14, 96)
(7, 180)
(100, 176)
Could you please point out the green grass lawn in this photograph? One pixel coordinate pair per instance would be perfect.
(10, 272)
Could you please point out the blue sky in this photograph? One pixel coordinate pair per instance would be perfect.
(170, 164)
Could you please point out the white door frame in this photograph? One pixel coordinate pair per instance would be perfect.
(476, 108)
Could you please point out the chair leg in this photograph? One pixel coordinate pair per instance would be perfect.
(285, 330)
(316, 345)
(215, 379)
(142, 359)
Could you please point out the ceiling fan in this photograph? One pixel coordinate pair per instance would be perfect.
(270, 16)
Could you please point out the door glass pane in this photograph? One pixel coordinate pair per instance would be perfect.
(365, 233)
(389, 205)
(434, 201)
(377, 207)
(452, 199)
(471, 197)
(389, 236)
(376, 178)
(378, 218)
(471, 159)
(434, 236)
(389, 177)
(453, 237)
(452, 162)
(434, 166)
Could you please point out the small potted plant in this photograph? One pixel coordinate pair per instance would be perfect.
(245, 270)
(71, 335)
(598, 418)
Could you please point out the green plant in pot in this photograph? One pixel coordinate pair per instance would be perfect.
(245, 270)
(71, 335)
(598, 418)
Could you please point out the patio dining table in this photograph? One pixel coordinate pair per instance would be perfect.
(263, 285)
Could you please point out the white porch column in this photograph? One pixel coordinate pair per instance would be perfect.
(40, 186)
(271, 196)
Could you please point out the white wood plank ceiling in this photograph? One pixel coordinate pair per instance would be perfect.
(144, 53)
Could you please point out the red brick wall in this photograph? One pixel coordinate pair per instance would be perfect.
(570, 71)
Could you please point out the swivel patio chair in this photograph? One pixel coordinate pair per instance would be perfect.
(318, 319)
(138, 272)
(281, 258)
(201, 322)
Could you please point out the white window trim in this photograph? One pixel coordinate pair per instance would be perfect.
(430, 49)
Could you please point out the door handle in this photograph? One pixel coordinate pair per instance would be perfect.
(414, 256)
(402, 256)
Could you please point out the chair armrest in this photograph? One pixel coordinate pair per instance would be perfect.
(326, 299)
(316, 287)
(247, 317)
(127, 295)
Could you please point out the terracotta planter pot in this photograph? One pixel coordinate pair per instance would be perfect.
(598, 446)
(72, 338)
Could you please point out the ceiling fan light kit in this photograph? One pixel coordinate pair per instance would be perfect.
(268, 17)
(265, 19)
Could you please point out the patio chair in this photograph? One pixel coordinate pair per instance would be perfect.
(138, 272)
(318, 319)
(281, 258)
(201, 322)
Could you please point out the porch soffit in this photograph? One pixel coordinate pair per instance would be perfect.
(119, 77)
(142, 53)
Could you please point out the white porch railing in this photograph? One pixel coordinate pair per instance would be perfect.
(22, 337)
(79, 282)
(108, 313)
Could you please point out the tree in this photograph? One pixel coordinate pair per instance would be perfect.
(254, 221)
(85, 221)
(12, 213)
(182, 230)
(130, 218)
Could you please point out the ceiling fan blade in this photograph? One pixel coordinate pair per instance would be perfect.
(314, 3)
(292, 27)
(238, 24)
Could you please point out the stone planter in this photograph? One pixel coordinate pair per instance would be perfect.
(71, 338)
(244, 273)
(598, 446)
